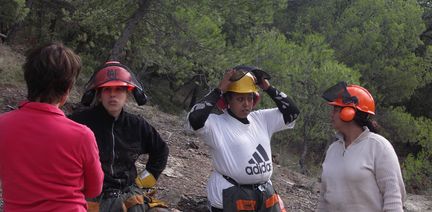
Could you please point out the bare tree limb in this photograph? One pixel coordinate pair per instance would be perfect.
(132, 22)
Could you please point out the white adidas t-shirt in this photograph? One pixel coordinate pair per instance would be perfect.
(240, 151)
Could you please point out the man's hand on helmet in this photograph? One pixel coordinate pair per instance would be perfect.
(225, 82)
(262, 78)
(265, 84)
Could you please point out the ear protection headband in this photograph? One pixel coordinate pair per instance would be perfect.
(93, 84)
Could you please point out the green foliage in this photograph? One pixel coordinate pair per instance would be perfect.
(188, 44)
(12, 11)
(398, 125)
(420, 102)
(418, 167)
(306, 45)
(411, 138)
(376, 37)
(98, 24)
(426, 36)
(379, 38)
(245, 19)
(314, 70)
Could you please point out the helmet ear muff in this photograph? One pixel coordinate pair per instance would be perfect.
(347, 114)
(140, 96)
(221, 104)
(256, 99)
(88, 97)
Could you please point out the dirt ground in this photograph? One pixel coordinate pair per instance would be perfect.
(182, 184)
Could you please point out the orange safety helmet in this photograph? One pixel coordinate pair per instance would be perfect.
(350, 98)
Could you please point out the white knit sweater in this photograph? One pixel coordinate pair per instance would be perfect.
(366, 176)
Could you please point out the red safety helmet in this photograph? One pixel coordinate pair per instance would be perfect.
(350, 98)
(113, 73)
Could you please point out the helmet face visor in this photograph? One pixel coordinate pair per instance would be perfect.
(241, 71)
(112, 75)
(117, 83)
(238, 74)
(339, 93)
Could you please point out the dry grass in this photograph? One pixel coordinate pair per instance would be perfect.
(10, 67)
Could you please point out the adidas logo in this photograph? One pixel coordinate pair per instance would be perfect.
(260, 161)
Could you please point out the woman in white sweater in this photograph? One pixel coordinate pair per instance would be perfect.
(361, 170)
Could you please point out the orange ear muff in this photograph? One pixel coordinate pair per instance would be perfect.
(347, 114)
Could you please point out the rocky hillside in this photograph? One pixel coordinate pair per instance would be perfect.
(189, 165)
(182, 184)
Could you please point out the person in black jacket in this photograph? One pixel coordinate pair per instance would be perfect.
(121, 137)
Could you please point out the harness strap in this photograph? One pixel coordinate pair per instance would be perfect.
(229, 179)
(232, 181)
(272, 200)
(246, 205)
(141, 199)
(134, 200)
(92, 206)
(269, 201)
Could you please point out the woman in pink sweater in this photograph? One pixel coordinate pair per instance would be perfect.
(361, 171)
(47, 161)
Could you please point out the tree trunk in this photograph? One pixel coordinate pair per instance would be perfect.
(193, 98)
(303, 168)
(117, 50)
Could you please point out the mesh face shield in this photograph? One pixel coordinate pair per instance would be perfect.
(112, 73)
(338, 95)
(242, 70)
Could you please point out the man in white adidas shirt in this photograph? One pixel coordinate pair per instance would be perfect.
(239, 139)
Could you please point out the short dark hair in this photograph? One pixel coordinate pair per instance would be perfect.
(50, 72)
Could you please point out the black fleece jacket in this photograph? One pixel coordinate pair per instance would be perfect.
(120, 142)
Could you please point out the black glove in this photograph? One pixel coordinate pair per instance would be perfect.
(259, 74)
